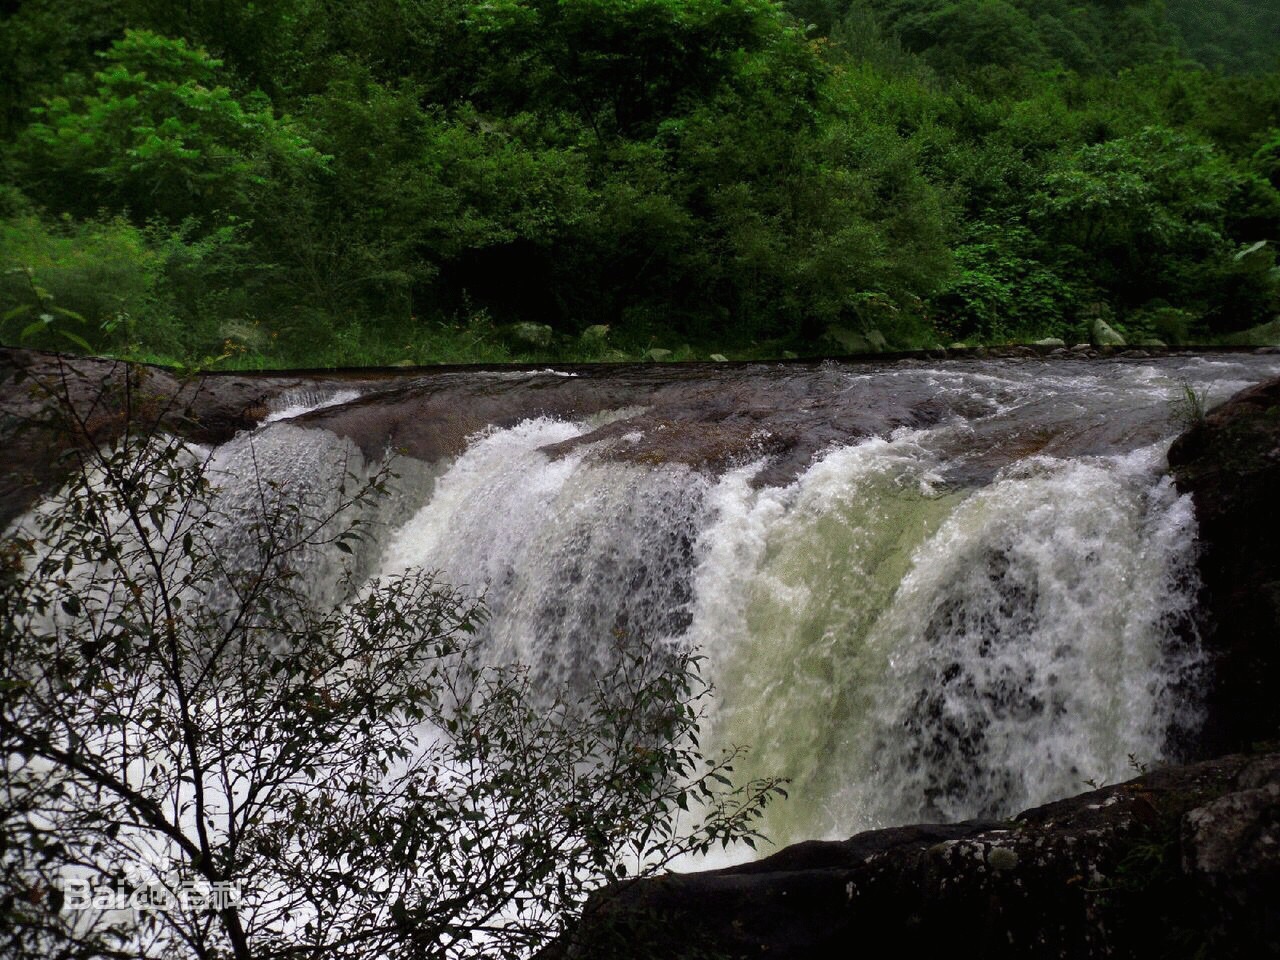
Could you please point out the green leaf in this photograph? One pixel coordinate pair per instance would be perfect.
(32, 329)
(78, 340)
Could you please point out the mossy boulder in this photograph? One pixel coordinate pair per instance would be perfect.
(850, 341)
(524, 335)
(1263, 335)
(1102, 334)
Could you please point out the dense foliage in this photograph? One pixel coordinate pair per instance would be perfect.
(389, 180)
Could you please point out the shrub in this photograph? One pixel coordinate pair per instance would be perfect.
(102, 275)
(354, 780)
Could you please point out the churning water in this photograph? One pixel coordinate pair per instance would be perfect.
(950, 619)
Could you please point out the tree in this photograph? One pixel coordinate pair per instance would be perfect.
(1147, 216)
(152, 133)
(184, 729)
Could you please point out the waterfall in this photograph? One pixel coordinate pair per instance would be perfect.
(907, 636)
(568, 551)
(965, 616)
(907, 655)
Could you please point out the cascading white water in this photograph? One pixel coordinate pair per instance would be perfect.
(956, 620)
(568, 552)
(294, 403)
(950, 620)
(903, 645)
(908, 656)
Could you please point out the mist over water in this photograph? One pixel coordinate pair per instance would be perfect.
(945, 621)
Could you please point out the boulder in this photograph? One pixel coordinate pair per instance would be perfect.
(1175, 861)
(848, 341)
(1231, 851)
(1102, 334)
(657, 354)
(1051, 342)
(530, 334)
(110, 395)
(1229, 462)
(718, 358)
(1263, 335)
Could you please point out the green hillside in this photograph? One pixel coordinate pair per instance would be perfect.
(404, 180)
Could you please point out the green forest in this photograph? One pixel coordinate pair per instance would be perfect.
(314, 183)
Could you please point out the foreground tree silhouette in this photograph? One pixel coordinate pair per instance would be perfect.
(282, 781)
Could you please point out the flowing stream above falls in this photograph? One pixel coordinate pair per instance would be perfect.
(926, 591)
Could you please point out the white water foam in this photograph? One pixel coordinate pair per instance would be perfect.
(294, 403)
(905, 656)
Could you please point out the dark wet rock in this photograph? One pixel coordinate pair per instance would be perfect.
(1231, 852)
(105, 396)
(1179, 862)
(1230, 464)
(708, 416)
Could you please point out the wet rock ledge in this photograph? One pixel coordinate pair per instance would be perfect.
(1182, 862)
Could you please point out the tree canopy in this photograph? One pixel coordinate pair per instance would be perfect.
(403, 179)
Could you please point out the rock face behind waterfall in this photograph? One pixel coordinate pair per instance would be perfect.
(1178, 863)
(1230, 464)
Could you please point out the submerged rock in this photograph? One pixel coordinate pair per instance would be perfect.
(1174, 862)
